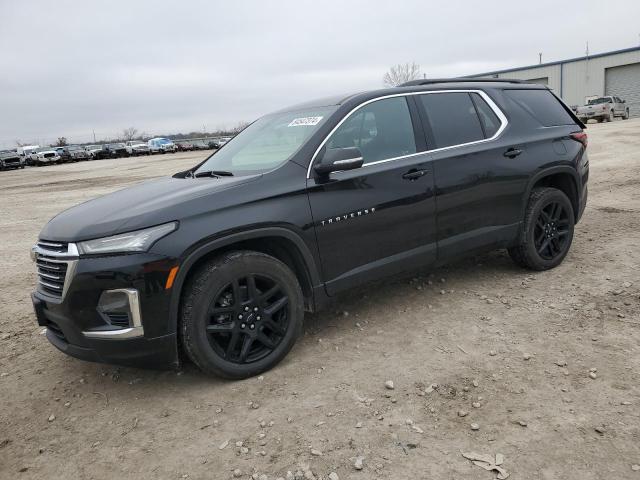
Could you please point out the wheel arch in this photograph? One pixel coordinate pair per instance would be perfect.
(564, 178)
(279, 242)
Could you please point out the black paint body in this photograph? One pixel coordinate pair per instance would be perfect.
(336, 232)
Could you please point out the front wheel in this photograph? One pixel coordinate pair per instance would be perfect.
(547, 230)
(241, 314)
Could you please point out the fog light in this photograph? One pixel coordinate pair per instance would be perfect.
(121, 311)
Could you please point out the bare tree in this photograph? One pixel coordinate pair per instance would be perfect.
(401, 73)
(61, 142)
(129, 133)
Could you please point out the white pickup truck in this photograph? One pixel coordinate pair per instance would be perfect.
(603, 109)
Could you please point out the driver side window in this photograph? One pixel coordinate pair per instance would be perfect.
(381, 130)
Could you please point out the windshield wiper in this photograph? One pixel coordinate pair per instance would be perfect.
(213, 173)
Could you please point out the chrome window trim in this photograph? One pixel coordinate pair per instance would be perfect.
(499, 113)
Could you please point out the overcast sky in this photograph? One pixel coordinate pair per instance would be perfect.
(69, 68)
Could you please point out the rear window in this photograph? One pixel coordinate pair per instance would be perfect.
(453, 118)
(541, 105)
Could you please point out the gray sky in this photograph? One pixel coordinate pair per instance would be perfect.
(70, 67)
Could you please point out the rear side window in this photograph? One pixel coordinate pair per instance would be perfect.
(541, 105)
(489, 120)
(453, 118)
(381, 130)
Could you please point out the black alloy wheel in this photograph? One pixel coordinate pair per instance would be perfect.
(546, 232)
(248, 318)
(241, 313)
(551, 232)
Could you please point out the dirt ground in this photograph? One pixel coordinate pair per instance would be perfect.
(511, 349)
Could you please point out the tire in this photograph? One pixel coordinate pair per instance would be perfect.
(626, 115)
(273, 314)
(541, 226)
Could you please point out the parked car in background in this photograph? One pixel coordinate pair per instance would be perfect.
(184, 146)
(135, 148)
(200, 145)
(161, 145)
(92, 150)
(112, 150)
(10, 159)
(78, 153)
(218, 142)
(44, 156)
(65, 154)
(603, 109)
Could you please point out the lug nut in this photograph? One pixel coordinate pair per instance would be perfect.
(240, 316)
(246, 309)
(252, 326)
(242, 325)
(258, 317)
(255, 309)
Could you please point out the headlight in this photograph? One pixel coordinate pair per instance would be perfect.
(138, 241)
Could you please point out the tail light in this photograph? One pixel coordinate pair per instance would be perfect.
(580, 137)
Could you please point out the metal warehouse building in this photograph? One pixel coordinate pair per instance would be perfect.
(578, 79)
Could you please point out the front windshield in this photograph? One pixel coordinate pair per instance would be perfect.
(268, 142)
(164, 141)
(597, 101)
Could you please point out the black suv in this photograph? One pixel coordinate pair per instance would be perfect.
(221, 261)
(10, 159)
(112, 150)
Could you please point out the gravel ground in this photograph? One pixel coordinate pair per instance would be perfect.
(544, 365)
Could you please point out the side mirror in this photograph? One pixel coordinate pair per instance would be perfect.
(624, 101)
(336, 159)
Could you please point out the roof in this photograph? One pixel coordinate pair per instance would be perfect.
(558, 62)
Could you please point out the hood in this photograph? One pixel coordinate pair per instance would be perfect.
(150, 203)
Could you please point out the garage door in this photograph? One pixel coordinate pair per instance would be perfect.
(624, 82)
(541, 80)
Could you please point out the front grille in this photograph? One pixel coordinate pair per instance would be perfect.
(12, 161)
(58, 247)
(49, 155)
(53, 265)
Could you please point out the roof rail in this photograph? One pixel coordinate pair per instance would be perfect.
(429, 81)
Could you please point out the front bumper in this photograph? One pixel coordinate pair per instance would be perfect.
(79, 325)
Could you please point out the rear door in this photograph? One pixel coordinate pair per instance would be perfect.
(479, 178)
(378, 219)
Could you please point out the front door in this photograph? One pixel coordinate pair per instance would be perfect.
(378, 219)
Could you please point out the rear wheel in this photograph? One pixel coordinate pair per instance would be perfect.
(626, 115)
(241, 314)
(547, 230)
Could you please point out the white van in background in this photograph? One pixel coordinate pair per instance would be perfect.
(25, 152)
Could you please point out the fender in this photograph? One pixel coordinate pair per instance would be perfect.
(545, 173)
(217, 243)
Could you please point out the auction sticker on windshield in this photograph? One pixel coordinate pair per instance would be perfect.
(304, 121)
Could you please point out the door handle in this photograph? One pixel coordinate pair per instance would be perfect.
(414, 174)
(512, 152)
